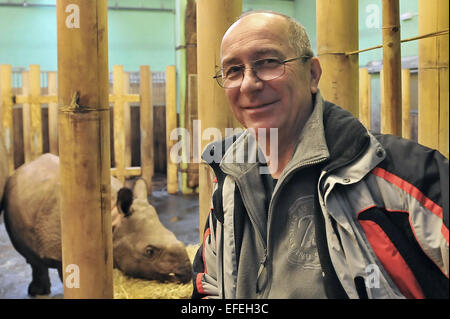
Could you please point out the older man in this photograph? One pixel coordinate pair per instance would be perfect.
(342, 213)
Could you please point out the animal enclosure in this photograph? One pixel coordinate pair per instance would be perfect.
(29, 116)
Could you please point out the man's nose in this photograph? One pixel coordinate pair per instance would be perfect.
(250, 82)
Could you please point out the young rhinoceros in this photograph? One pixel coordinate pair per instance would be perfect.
(144, 248)
(32, 220)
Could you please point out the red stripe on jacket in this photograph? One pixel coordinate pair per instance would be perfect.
(414, 192)
(198, 282)
(391, 260)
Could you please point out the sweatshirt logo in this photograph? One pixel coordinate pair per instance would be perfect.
(302, 249)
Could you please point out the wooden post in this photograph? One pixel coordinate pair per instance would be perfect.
(181, 67)
(26, 118)
(364, 97)
(191, 115)
(392, 67)
(213, 19)
(383, 112)
(406, 103)
(433, 76)
(146, 118)
(6, 110)
(84, 148)
(171, 124)
(127, 120)
(337, 33)
(35, 111)
(53, 113)
(119, 123)
(191, 106)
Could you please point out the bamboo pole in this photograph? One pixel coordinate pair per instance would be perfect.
(337, 33)
(84, 147)
(364, 97)
(383, 112)
(392, 67)
(53, 114)
(127, 120)
(181, 67)
(146, 124)
(406, 103)
(191, 88)
(119, 123)
(171, 124)
(7, 112)
(192, 115)
(213, 19)
(26, 118)
(433, 76)
(35, 111)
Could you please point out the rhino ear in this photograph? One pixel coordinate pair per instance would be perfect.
(140, 189)
(124, 200)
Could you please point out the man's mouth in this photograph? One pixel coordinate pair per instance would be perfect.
(259, 106)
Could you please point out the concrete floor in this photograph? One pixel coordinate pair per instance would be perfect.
(178, 213)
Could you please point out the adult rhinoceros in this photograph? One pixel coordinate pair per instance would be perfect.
(142, 246)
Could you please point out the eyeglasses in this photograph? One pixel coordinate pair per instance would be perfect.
(264, 69)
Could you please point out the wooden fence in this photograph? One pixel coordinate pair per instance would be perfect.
(29, 117)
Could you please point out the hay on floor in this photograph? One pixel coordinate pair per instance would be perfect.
(126, 287)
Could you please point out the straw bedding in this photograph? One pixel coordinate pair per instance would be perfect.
(126, 287)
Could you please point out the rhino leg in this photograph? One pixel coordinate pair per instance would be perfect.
(40, 285)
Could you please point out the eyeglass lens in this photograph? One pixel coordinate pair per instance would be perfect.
(267, 69)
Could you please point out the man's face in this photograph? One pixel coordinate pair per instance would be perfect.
(285, 102)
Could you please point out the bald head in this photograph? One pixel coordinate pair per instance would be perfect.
(296, 35)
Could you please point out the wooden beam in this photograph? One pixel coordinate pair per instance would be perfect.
(128, 171)
(364, 97)
(406, 103)
(35, 111)
(433, 76)
(337, 33)
(127, 120)
(26, 117)
(119, 123)
(192, 115)
(6, 110)
(53, 113)
(124, 98)
(84, 148)
(213, 19)
(171, 124)
(392, 67)
(146, 119)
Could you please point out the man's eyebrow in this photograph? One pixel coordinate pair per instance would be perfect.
(231, 61)
(254, 56)
(268, 51)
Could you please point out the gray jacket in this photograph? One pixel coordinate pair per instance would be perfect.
(380, 222)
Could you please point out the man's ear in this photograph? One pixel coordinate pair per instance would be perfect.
(316, 72)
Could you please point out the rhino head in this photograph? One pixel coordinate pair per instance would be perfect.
(143, 247)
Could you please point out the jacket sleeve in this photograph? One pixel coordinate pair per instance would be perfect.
(420, 175)
(443, 166)
(205, 263)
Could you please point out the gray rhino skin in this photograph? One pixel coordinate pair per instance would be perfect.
(32, 220)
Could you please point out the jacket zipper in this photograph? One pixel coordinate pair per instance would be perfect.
(263, 261)
(284, 178)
